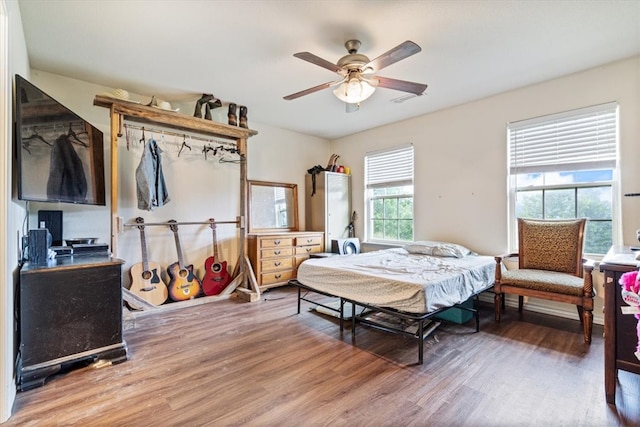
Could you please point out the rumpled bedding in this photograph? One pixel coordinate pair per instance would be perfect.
(397, 279)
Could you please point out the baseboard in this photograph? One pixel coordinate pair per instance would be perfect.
(547, 307)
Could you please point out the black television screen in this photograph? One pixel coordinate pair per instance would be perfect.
(60, 156)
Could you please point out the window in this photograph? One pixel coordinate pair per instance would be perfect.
(389, 194)
(563, 166)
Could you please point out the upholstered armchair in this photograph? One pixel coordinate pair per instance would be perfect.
(550, 266)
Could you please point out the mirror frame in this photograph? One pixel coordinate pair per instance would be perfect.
(251, 205)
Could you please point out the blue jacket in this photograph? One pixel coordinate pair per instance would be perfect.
(150, 186)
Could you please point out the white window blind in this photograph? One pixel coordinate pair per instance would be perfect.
(575, 140)
(389, 167)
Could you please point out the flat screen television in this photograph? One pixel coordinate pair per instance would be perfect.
(60, 156)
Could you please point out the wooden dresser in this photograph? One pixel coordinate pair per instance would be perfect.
(620, 337)
(275, 257)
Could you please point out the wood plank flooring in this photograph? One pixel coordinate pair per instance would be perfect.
(261, 364)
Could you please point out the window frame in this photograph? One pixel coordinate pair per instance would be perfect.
(401, 178)
(614, 183)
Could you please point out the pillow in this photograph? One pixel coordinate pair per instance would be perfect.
(442, 249)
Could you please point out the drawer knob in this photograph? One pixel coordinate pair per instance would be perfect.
(276, 242)
(308, 249)
(309, 240)
(277, 263)
(276, 252)
(278, 276)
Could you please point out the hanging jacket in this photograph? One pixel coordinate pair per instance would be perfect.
(150, 186)
(67, 181)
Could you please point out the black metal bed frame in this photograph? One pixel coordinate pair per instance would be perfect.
(419, 318)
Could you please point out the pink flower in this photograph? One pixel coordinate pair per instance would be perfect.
(629, 281)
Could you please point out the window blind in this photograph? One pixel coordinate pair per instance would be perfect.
(389, 167)
(575, 140)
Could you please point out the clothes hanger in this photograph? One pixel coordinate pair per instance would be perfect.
(73, 135)
(37, 136)
(184, 144)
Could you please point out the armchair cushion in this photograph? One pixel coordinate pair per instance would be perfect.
(549, 245)
(542, 280)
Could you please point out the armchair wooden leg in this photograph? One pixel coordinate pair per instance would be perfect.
(497, 305)
(580, 314)
(587, 325)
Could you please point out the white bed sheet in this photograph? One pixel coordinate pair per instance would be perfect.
(396, 279)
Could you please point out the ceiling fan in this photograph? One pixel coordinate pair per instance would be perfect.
(357, 81)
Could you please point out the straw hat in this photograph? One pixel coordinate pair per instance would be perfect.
(117, 94)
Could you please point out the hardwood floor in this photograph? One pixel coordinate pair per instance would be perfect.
(261, 364)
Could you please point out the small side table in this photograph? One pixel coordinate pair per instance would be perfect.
(620, 337)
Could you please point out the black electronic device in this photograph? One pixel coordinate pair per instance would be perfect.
(38, 249)
(346, 246)
(60, 155)
(52, 221)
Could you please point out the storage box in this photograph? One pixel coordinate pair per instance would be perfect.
(457, 315)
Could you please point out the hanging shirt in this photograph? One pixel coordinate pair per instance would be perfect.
(66, 181)
(150, 185)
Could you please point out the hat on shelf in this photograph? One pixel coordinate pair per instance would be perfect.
(159, 103)
(117, 94)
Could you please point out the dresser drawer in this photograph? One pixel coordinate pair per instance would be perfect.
(276, 252)
(308, 240)
(276, 264)
(276, 242)
(302, 250)
(276, 277)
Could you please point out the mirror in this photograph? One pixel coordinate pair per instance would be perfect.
(273, 206)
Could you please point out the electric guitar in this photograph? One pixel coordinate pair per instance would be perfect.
(184, 285)
(216, 276)
(145, 276)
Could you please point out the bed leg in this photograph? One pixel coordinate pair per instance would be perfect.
(299, 295)
(353, 322)
(420, 342)
(341, 316)
(497, 303)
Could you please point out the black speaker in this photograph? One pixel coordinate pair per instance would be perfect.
(52, 220)
(346, 246)
(39, 242)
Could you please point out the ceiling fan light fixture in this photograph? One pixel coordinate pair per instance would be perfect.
(354, 90)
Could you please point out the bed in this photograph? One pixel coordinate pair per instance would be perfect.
(412, 284)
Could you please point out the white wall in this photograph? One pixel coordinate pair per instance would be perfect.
(460, 155)
(12, 44)
(199, 189)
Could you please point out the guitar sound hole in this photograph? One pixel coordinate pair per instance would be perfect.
(216, 268)
(146, 275)
(183, 273)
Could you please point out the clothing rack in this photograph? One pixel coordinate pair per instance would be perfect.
(179, 135)
(181, 223)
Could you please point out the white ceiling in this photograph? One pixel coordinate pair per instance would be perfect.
(242, 51)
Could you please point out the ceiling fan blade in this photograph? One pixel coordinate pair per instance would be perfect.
(402, 85)
(308, 91)
(400, 52)
(310, 57)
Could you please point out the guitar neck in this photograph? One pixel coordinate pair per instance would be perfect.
(143, 245)
(178, 249)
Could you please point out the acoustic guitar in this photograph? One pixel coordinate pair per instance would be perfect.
(145, 276)
(216, 276)
(184, 284)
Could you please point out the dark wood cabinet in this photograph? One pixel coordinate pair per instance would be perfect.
(620, 337)
(68, 312)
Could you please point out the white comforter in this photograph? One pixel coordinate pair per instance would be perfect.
(397, 279)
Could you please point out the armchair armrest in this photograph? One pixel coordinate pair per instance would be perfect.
(587, 268)
(499, 259)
